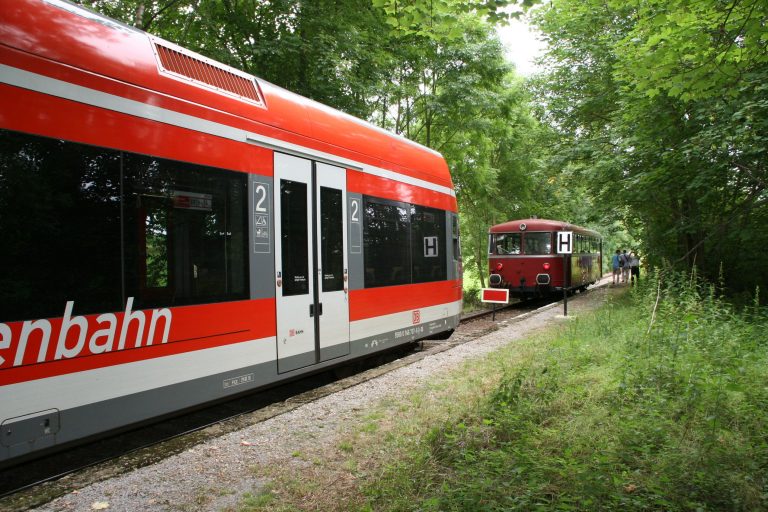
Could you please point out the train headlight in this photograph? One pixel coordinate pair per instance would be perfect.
(546, 266)
(499, 266)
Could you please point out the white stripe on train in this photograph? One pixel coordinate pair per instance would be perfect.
(101, 384)
(100, 336)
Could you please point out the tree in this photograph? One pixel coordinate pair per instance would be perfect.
(460, 97)
(662, 106)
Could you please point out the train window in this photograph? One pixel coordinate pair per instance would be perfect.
(506, 243)
(387, 253)
(428, 258)
(455, 233)
(295, 237)
(538, 243)
(95, 226)
(59, 226)
(331, 239)
(184, 232)
(457, 267)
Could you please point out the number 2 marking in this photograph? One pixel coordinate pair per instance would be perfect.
(355, 210)
(261, 190)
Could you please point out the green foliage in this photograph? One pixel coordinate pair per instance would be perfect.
(657, 402)
(698, 372)
(661, 111)
(471, 297)
(420, 17)
(695, 50)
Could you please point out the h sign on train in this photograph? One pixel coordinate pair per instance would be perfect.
(564, 242)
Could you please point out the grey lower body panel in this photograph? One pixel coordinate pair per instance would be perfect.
(43, 430)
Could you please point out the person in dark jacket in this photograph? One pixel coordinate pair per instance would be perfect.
(634, 268)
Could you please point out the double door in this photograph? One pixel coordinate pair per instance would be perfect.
(311, 281)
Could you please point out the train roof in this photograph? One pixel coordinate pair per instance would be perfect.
(75, 37)
(513, 226)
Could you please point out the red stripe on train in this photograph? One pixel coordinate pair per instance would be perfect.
(44, 348)
(372, 302)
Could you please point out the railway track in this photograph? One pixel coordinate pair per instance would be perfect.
(41, 480)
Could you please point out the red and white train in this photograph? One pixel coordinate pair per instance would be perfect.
(522, 258)
(175, 231)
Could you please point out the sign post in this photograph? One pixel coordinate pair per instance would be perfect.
(494, 296)
(565, 247)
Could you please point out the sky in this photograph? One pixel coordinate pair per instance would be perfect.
(521, 45)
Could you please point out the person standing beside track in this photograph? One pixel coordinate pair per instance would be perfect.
(634, 268)
(615, 260)
(624, 264)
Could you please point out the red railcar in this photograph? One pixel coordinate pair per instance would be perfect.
(175, 231)
(522, 258)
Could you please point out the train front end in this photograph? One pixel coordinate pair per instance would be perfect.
(521, 259)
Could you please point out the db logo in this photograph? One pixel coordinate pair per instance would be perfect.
(416, 317)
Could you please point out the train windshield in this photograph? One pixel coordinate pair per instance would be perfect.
(538, 243)
(506, 243)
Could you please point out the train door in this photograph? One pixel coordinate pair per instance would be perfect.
(310, 262)
(332, 275)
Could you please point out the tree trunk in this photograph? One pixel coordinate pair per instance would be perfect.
(480, 267)
(138, 17)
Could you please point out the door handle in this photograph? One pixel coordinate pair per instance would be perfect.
(319, 309)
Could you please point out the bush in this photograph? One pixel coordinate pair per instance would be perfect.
(472, 298)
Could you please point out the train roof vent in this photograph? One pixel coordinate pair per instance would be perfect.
(176, 62)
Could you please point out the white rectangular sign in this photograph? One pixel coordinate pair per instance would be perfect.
(564, 242)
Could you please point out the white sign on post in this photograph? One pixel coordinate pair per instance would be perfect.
(564, 242)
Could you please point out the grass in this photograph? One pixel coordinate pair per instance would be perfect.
(657, 401)
(251, 502)
(611, 413)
